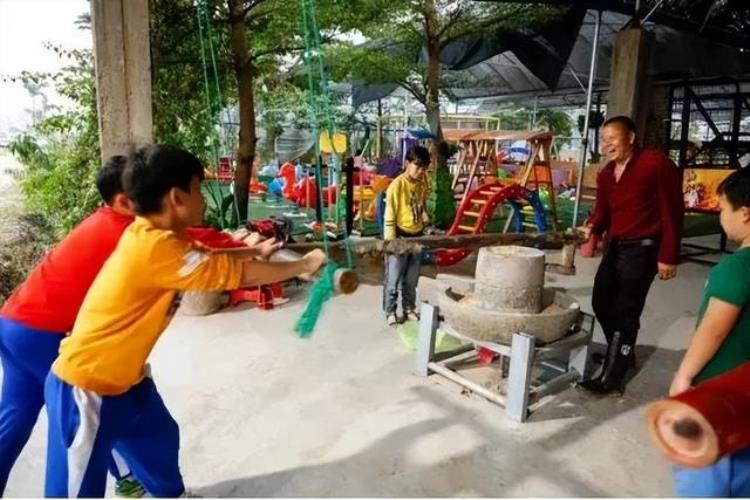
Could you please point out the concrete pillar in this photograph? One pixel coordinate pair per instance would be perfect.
(629, 82)
(657, 117)
(123, 74)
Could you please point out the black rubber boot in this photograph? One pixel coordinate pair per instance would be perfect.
(619, 360)
(599, 358)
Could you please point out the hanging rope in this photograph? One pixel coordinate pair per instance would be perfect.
(214, 103)
(321, 118)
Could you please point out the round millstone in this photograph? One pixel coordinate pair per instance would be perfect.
(465, 314)
(509, 278)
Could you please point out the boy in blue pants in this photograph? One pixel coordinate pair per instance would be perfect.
(39, 313)
(99, 393)
(722, 340)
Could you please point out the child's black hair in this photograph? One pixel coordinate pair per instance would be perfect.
(736, 188)
(152, 171)
(419, 155)
(109, 178)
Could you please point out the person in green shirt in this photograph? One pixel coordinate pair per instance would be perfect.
(722, 340)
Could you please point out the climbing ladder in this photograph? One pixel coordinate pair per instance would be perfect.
(475, 161)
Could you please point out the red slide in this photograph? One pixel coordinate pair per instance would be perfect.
(473, 215)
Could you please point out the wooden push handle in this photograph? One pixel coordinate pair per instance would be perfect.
(345, 281)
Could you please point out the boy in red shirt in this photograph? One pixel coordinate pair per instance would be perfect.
(43, 309)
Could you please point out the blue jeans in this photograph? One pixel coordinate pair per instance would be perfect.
(729, 477)
(401, 274)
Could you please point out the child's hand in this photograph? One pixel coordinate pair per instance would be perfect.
(241, 234)
(267, 247)
(313, 261)
(252, 239)
(679, 385)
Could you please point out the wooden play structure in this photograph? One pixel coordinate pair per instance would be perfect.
(481, 156)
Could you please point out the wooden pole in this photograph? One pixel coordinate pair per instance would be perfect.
(408, 245)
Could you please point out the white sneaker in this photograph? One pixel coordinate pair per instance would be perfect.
(391, 319)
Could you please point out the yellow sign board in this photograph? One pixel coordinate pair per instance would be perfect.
(338, 146)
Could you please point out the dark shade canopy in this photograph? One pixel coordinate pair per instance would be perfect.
(724, 21)
(553, 62)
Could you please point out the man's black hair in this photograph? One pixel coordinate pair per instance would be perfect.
(419, 155)
(624, 121)
(152, 171)
(109, 178)
(736, 188)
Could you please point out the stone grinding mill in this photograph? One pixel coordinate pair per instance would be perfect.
(506, 310)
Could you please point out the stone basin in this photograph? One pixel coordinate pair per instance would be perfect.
(463, 312)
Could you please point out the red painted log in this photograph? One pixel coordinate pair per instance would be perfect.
(698, 427)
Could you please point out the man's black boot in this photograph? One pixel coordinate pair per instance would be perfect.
(619, 360)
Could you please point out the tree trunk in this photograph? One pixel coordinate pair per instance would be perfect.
(441, 205)
(245, 74)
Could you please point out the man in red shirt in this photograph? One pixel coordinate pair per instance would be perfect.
(43, 309)
(639, 205)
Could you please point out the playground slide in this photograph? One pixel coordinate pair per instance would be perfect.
(476, 211)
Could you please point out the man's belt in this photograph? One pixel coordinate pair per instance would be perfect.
(640, 242)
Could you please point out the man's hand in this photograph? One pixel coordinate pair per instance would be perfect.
(666, 271)
(313, 261)
(585, 230)
(679, 385)
(267, 247)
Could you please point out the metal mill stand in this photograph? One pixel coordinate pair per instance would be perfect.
(523, 355)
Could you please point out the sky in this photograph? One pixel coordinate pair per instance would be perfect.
(25, 26)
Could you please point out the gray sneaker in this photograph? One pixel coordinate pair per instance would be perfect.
(391, 319)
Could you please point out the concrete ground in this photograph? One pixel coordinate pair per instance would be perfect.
(264, 413)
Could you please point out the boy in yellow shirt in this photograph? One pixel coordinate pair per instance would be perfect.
(99, 392)
(405, 216)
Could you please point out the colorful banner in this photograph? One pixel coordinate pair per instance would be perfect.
(699, 188)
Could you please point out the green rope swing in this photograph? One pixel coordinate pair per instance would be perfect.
(321, 118)
(214, 103)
